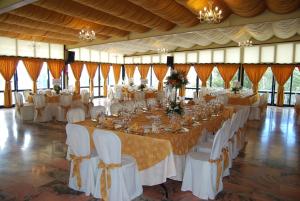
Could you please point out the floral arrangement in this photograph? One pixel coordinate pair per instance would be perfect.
(56, 85)
(56, 88)
(143, 84)
(176, 79)
(130, 82)
(175, 107)
(236, 87)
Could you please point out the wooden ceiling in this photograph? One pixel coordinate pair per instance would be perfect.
(59, 21)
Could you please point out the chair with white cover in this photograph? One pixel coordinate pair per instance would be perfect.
(82, 168)
(26, 94)
(25, 111)
(203, 171)
(96, 110)
(85, 101)
(42, 112)
(160, 96)
(116, 108)
(255, 109)
(65, 102)
(75, 115)
(121, 171)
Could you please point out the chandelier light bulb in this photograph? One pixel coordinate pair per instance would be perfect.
(210, 14)
(87, 34)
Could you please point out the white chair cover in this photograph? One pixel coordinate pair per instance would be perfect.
(85, 102)
(78, 140)
(23, 111)
(201, 171)
(129, 106)
(125, 180)
(75, 115)
(65, 102)
(96, 110)
(42, 112)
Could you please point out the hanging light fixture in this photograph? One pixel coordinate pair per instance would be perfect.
(162, 50)
(211, 15)
(87, 34)
(247, 43)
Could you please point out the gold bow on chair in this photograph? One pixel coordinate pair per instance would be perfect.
(76, 167)
(226, 157)
(105, 178)
(219, 170)
(66, 109)
(39, 111)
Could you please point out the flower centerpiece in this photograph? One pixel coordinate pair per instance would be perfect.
(176, 80)
(236, 87)
(56, 85)
(130, 82)
(143, 84)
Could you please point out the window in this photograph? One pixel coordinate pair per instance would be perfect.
(111, 77)
(104, 57)
(251, 54)
(128, 60)
(77, 56)
(42, 81)
(146, 59)
(95, 55)
(217, 80)
(265, 84)
(155, 59)
(97, 83)
(23, 79)
(137, 60)
(233, 55)
(7, 46)
(71, 80)
(295, 85)
(163, 58)
(297, 53)
(192, 57)
(191, 87)
(267, 54)
(205, 56)
(179, 58)
(284, 53)
(218, 56)
(85, 54)
(42, 50)
(25, 48)
(56, 51)
(84, 79)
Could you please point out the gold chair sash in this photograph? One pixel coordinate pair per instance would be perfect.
(105, 178)
(66, 109)
(219, 170)
(76, 167)
(226, 157)
(39, 111)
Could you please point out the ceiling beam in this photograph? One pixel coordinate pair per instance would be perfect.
(9, 5)
(233, 20)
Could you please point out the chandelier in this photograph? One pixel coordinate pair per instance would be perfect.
(87, 34)
(247, 43)
(210, 15)
(162, 50)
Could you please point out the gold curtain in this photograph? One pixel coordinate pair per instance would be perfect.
(129, 69)
(160, 71)
(105, 70)
(281, 72)
(8, 67)
(77, 69)
(144, 69)
(91, 69)
(56, 67)
(117, 72)
(227, 72)
(203, 71)
(184, 68)
(33, 67)
(255, 73)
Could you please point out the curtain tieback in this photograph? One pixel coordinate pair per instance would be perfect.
(219, 170)
(105, 178)
(7, 85)
(76, 167)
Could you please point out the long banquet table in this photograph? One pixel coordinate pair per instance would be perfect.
(161, 156)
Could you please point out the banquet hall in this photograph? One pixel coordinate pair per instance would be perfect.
(149, 100)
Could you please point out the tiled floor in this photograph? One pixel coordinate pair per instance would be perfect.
(32, 165)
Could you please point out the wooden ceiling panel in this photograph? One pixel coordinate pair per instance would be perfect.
(75, 9)
(44, 15)
(131, 12)
(59, 21)
(170, 10)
